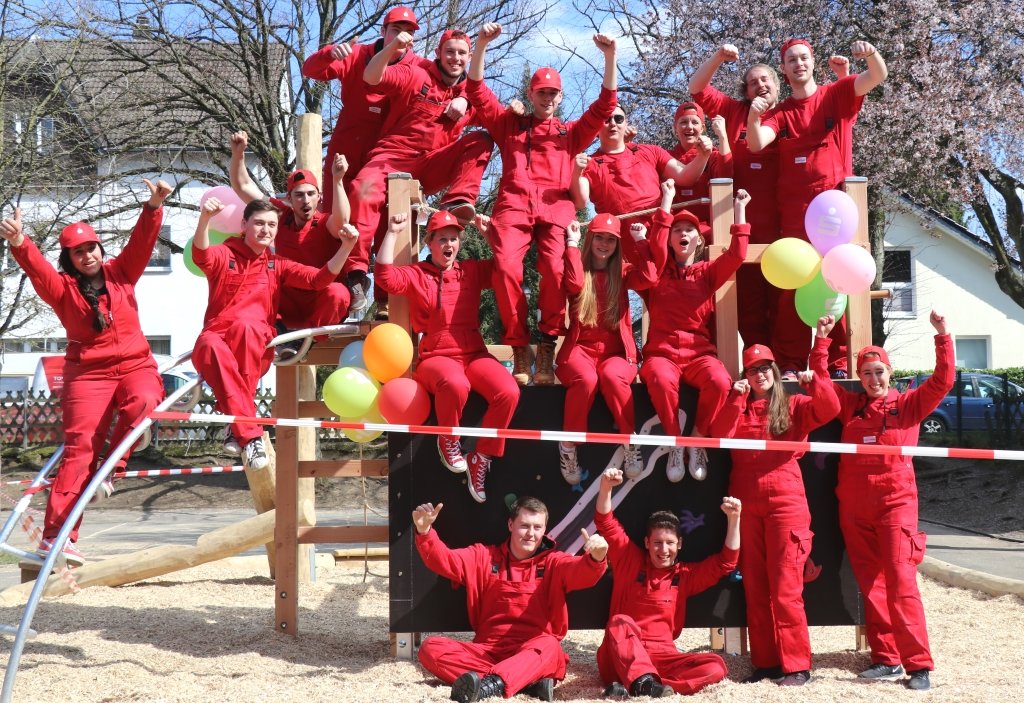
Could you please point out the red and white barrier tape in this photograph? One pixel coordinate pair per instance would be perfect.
(35, 536)
(609, 438)
(143, 473)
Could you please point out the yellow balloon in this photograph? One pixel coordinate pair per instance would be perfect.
(790, 263)
(363, 436)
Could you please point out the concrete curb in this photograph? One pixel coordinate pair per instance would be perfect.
(968, 578)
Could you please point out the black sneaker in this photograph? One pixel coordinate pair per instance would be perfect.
(882, 672)
(649, 686)
(616, 691)
(761, 673)
(288, 350)
(543, 689)
(797, 678)
(358, 287)
(255, 455)
(919, 680)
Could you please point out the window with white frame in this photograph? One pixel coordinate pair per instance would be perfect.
(972, 352)
(161, 258)
(159, 345)
(898, 277)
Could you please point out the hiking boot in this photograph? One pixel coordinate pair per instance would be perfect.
(461, 210)
(632, 462)
(698, 463)
(451, 453)
(479, 465)
(882, 672)
(616, 691)
(359, 302)
(797, 678)
(522, 361)
(647, 685)
(105, 490)
(568, 464)
(761, 673)
(676, 466)
(919, 680)
(544, 374)
(72, 556)
(231, 445)
(287, 351)
(256, 455)
(470, 687)
(382, 314)
(543, 689)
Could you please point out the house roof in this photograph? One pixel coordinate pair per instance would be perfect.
(114, 88)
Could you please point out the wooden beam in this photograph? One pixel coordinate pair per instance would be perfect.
(343, 534)
(858, 307)
(370, 468)
(726, 314)
(402, 192)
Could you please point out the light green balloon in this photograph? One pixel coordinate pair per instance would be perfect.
(190, 264)
(817, 299)
(350, 392)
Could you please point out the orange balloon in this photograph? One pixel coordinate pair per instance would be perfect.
(387, 352)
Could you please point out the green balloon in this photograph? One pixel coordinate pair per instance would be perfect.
(816, 299)
(350, 392)
(220, 237)
(190, 264)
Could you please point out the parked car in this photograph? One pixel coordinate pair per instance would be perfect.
(979, 393)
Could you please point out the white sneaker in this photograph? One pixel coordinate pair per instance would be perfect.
(105, 490)
(676, 466)
(231, 445)
(569, 465)
(699, 463)
(632, 462)
(255, 455)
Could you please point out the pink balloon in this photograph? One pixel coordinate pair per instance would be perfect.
(403, 401)
(831, 219)
(848, 269)
(230, 218)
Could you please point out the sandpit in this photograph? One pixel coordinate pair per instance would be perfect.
(205, 634)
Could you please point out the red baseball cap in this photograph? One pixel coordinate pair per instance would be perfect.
(301, 178)
(790, 43)
(607, 223)
(442, 219)
(686, 216)
(401, 14)
(868, 351)
(758, 353)
(689, 107)
(546, 77)
(77, 233)
(453, 34)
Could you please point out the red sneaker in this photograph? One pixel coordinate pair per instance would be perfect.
(451, 453)
(70, 552)
(479, 465)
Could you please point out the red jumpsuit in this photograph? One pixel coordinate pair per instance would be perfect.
(245, 292)
(516, 608)
(419, 139)
(647, 614)
(776, 527)
(103, 371)
(758, 175)
(453, 359)
(594, 355)
(533, 203)
(814, 136)
(718, 166)
(679, 344)
(312, 245)
(626, 182)
(364, 107)
(878, 512)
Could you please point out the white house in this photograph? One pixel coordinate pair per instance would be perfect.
(933, 262)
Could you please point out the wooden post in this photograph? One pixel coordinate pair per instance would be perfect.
(726, 316)
(263, 487)
(403, 191)
(858, 307)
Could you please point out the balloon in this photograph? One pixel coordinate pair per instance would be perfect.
(789, 263)
(831, 219)
(220, 237)
(215, 238)
(848, 269)
(230, 218)
(352, 355)
(387, 351)
(816, 299)
(363, 436)
(403, 401)
(350, 393)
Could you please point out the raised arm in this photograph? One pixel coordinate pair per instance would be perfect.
(201, 239)
(579, 186)
(138, 251)
(341, 210)
(727, 53)
(243, 186)
(572, 280)
(732, 507)
(684, 175)
(877, 70)
(609, 480)
(606, 44)
(386, 253)
(488, 33)
(758, 135)
(375, 69)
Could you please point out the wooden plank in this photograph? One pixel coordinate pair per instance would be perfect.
(286, 579)
(401, 193)
(315, 408)
(726, 315)
(263, 488)
(343, 534)
(858, 308)
(370, 468)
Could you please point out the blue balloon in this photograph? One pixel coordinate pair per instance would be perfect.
(352, 355)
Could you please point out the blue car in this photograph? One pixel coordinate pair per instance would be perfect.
(979, 393)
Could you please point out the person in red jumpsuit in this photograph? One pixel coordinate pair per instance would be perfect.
(679, 342)
(245, 280)
(694, 145)
(515, 595)
(599, 350)
(815, 124)
(363, 109)
(649, 590)
(108, 364)
(777, 526)
(304, 235)
(878, 507)
(422, 136)
(625, 176)
(534, 204)
(444, 305)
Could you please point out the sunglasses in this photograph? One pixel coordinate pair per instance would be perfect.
(754, 370)
(617, 119)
